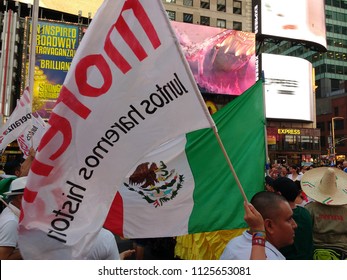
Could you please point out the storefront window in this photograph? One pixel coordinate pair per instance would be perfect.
(316, 145)
(290, 143)
(306, 142)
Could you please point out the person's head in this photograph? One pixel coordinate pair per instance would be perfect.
(283, 172)
(326, 185)
(278, 218)
(268, 183)
(12, 168)
(287, 188)
(16, 191)
(274, 172)
(294, 169)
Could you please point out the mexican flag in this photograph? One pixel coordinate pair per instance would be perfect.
(186, 186)
(129, 90)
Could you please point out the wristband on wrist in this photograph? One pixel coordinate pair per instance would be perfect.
(259, 238)
(258, 241)
(259, 234)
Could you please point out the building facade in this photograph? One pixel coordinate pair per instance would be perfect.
(230, 14)
(330, 82)
(290, 142)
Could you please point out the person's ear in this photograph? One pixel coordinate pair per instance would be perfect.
(268, 225)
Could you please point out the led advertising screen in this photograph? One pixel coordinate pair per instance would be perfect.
(294, 20)
(288, 87)
(222, 61)
(57, 43)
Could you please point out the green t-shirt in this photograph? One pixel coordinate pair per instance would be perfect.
(302, 248)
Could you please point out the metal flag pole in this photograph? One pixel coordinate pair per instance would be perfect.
(32, 58)
(33, 43)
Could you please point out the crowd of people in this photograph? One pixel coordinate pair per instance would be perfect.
(300, 215)
(311, 225)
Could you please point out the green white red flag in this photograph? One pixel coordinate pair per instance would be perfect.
(185, 186)
(129, 89)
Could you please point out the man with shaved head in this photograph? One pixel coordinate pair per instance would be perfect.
(272, 229)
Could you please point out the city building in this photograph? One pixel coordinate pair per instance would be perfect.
(289, 141)
(230, 14)
(330, 82)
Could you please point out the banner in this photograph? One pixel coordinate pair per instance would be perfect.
(19, 120)
(32, 135)
(128, 90)
(56, 46)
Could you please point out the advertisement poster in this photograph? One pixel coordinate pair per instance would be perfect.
(288, 90)
(57, 43)
(222, 61)
(300, 20)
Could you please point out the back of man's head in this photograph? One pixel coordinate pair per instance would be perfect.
(12, 167)
(286, 187)
(267, 203)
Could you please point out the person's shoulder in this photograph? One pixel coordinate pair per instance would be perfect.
(302, 212)
(8, 215)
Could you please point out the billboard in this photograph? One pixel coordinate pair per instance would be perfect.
(295, 20)
(288, 87)
(57, 43)
(222, 61)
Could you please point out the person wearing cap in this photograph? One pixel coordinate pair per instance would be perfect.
(264, 238)
(327, 186)
(302, 248)
(9, 219)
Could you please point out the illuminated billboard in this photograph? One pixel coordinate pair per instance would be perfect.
(294, 20)
(222, 61)
(288, 87)
(57, 43)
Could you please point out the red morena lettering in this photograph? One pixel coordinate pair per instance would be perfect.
(58, 124)
(81, 75)
(129, 37)
(62, 125)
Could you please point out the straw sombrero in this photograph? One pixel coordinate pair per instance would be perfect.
(326, 185)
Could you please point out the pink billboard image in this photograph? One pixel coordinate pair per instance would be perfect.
(222, 60)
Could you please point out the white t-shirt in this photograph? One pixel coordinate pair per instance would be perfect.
(239, 248)
(298, 178)
(105, 247)
(9, 228)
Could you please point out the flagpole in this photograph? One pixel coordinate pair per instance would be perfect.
(32, 58)
(230, 164)
(202, 103)
(267, 159)
(33, 43)
(187, 67)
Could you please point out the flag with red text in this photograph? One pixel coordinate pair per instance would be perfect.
(19, 120)
(32, 134)
(128, 90)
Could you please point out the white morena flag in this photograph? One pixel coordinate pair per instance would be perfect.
(19, 120)
(129, 89)
(32, 134)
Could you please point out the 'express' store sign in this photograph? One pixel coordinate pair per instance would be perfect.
(289, 131)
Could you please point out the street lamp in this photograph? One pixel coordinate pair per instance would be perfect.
(333, 135)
